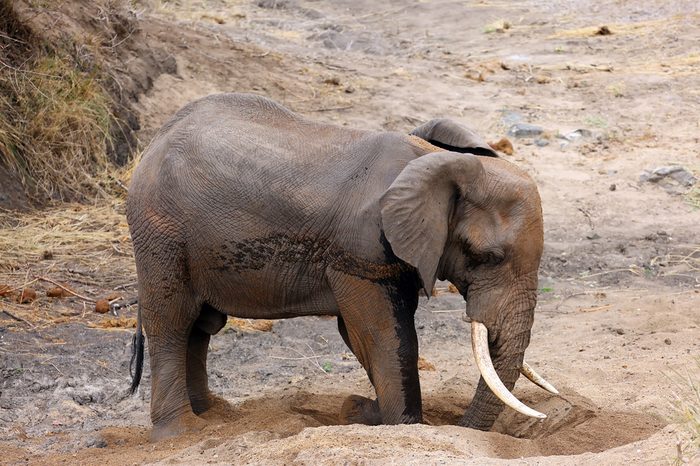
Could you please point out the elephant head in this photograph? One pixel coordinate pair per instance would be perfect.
(477, 222)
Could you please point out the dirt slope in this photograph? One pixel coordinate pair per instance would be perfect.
(617, 323)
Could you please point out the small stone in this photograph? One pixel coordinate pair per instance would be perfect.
(603, 31)
(667, 341)
(620, 331)
(524, 130)
(47, 255)
(349, 89)
(542, 79)
(102, 306)
(593, 236)
(539, 142)
(333, 80)
(577, 134)
(612, 187)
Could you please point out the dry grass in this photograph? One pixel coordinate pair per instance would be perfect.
(93, 240)
(686, 405)
(84, 249)
(54, 129)
(679, 263)
(56, 114)
(639, 27)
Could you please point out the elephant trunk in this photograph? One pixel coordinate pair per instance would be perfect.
(506, 350)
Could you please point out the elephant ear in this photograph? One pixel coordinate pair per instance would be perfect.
(449, 135)
(417, 206)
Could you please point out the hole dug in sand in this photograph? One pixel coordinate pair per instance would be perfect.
(304, 427)
(575, 425)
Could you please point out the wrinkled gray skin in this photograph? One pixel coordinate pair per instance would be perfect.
(240, 207)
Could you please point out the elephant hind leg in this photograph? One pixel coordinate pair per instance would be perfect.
(168, 321)
(209, 322)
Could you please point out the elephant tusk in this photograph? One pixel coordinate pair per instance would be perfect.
(537, 379)
(480, 347)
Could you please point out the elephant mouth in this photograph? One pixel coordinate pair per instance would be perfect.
(480, 347)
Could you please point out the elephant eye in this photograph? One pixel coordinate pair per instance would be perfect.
(493, 258)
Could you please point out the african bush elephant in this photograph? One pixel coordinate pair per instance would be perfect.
(240, 207)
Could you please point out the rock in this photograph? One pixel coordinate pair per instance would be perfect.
(667, 341)
(577, 134)
(511, 118)
(593, 236)
(273, 4)
(95, 442)
(675, 172)
(603, 31)
(102, 306)
(502, 145)
(539, 142)
(524, 130)
(612, 187)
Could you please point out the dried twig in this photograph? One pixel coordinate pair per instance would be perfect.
(21, 287)
(67, 290)
(330, 109)
(303, 357)
(18, 319)
(125, 286)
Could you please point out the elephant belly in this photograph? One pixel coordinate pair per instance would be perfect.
(272, 292)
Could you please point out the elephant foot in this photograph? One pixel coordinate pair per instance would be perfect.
(218, 410)
(205, 402)
(360, 410)
(182, 424)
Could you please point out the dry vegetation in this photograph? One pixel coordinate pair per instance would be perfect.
(686, 404)
(55, 114)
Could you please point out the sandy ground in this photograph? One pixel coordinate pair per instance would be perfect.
(617, 321)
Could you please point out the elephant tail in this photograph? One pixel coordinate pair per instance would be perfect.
(136, 363)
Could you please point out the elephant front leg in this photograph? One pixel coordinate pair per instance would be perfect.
(377, 324)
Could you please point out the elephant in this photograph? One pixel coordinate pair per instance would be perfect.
(241, 207)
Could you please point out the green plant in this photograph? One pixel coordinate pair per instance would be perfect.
(327, 366)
